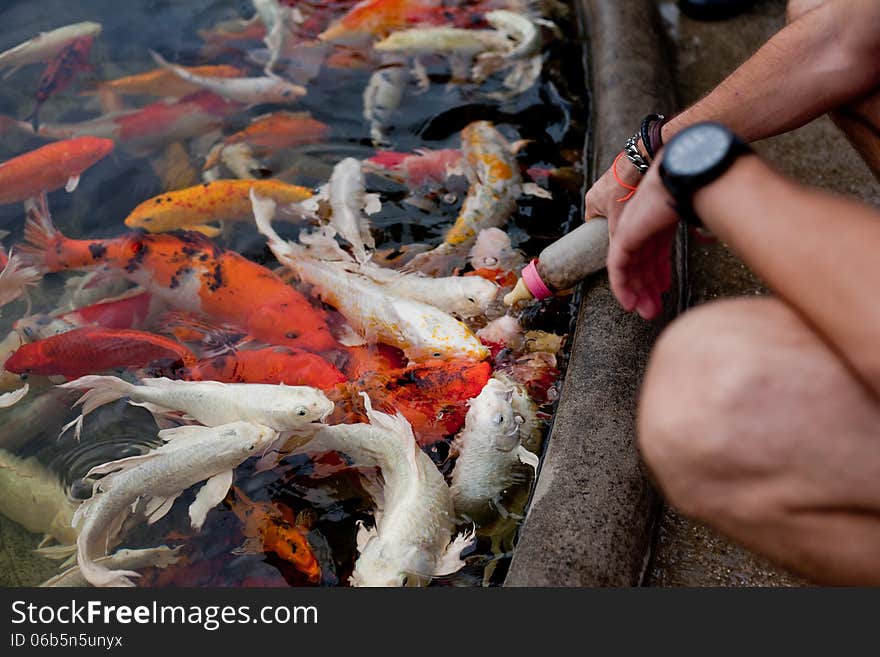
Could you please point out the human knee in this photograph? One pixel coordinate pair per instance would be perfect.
(701, 381)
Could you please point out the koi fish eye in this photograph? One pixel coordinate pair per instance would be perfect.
(490, 261)
(450, 198)
(498, 419)
(301, 411)
(28, 332)
(471, 300)
(404, 580)
(437, 354)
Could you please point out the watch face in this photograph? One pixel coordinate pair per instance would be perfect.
(697, 149)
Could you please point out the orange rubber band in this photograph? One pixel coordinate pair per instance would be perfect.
(632, 190)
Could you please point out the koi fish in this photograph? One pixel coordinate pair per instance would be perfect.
(15, 277)
(382, 97)
(496, 184)
(165, 83)
(189, 273)
(272, 528)
(271, 365)
(32, 496)
(488, 449)
(60, 73)
(190, 455)
(46, 46)
(280, 407)
(248, 91)
(273, 132)
(50, 167)
(129, 310)
(195, 208)
(412, 539)
(92, 349)
(280, 21)
(420, 169)
(493, 250)
(376, 18)
(173, 168)
(432, 396)
(124, 559)
(150, 127)
(419, 330)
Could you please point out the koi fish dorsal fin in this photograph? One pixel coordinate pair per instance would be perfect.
(398, 427)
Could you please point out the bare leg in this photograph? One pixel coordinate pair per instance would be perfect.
(751, 424)
(860, 120)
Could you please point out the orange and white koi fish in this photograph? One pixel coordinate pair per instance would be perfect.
(150, 127)
(165, 83)
(496, 184)
(50, 167)
(61, 71)
(249, 91)
(44, 47)
(270, 527)
(195, 208)
(190, 273)
(273, 132)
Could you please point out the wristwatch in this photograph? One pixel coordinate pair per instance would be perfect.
(694, 158)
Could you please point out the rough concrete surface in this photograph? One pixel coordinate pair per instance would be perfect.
(591, 517)
(704, 53)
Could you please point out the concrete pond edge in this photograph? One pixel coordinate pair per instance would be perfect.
(593, 510)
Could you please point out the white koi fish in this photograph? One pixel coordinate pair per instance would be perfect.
(382, 98)
(420, 330)
(488, 448)
(280, 407)
(190, 455)
(279, 21)
(250, 91)
(412, 540)
(44, 47)
(124, 559)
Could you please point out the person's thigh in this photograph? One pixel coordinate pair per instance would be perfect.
(753, 425)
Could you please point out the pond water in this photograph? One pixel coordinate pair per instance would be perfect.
(320, 495)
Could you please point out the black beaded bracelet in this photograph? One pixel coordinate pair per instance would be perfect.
(652, 143)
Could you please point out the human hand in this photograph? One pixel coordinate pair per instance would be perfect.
(602, 199)
(639, 257)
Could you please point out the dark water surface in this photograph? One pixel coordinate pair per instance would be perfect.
(551, 115)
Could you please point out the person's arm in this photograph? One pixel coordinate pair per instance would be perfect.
(826, 58)
(818, 252)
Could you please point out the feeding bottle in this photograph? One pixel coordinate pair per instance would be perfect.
(563, 264)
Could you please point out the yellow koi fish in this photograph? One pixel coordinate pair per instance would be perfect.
(196, 208)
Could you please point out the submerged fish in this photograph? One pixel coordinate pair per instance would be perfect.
(419, 169)
(15, 277)
(124, 559)
(271, 365)
(93, 349)
(195, 208)
(165, 83)
(273, 132)
(419, 330)
(190, 455)
(44, 47)
(272, 528)
(249, 91)
(382, 98)
(488, 448)
(349, 200)
(280, 407)
(189, 273)
(50, 167)
(376, 18)
(412, 539)
(61, 72)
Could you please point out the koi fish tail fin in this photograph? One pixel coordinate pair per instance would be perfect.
(39, 234)
(15, 278)
(100, 390)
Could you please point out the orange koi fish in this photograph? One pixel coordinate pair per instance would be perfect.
(164, 83)
(124, 312)
(189, 273)
(377, 18)
(274, 132)
(60, 72)
(272, 365)
(194, 208)
(424, 167)
(270, 527)
(50, 167)
(433, 396)
(93, 349)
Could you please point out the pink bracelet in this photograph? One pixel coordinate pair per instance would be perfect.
(533, 281)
